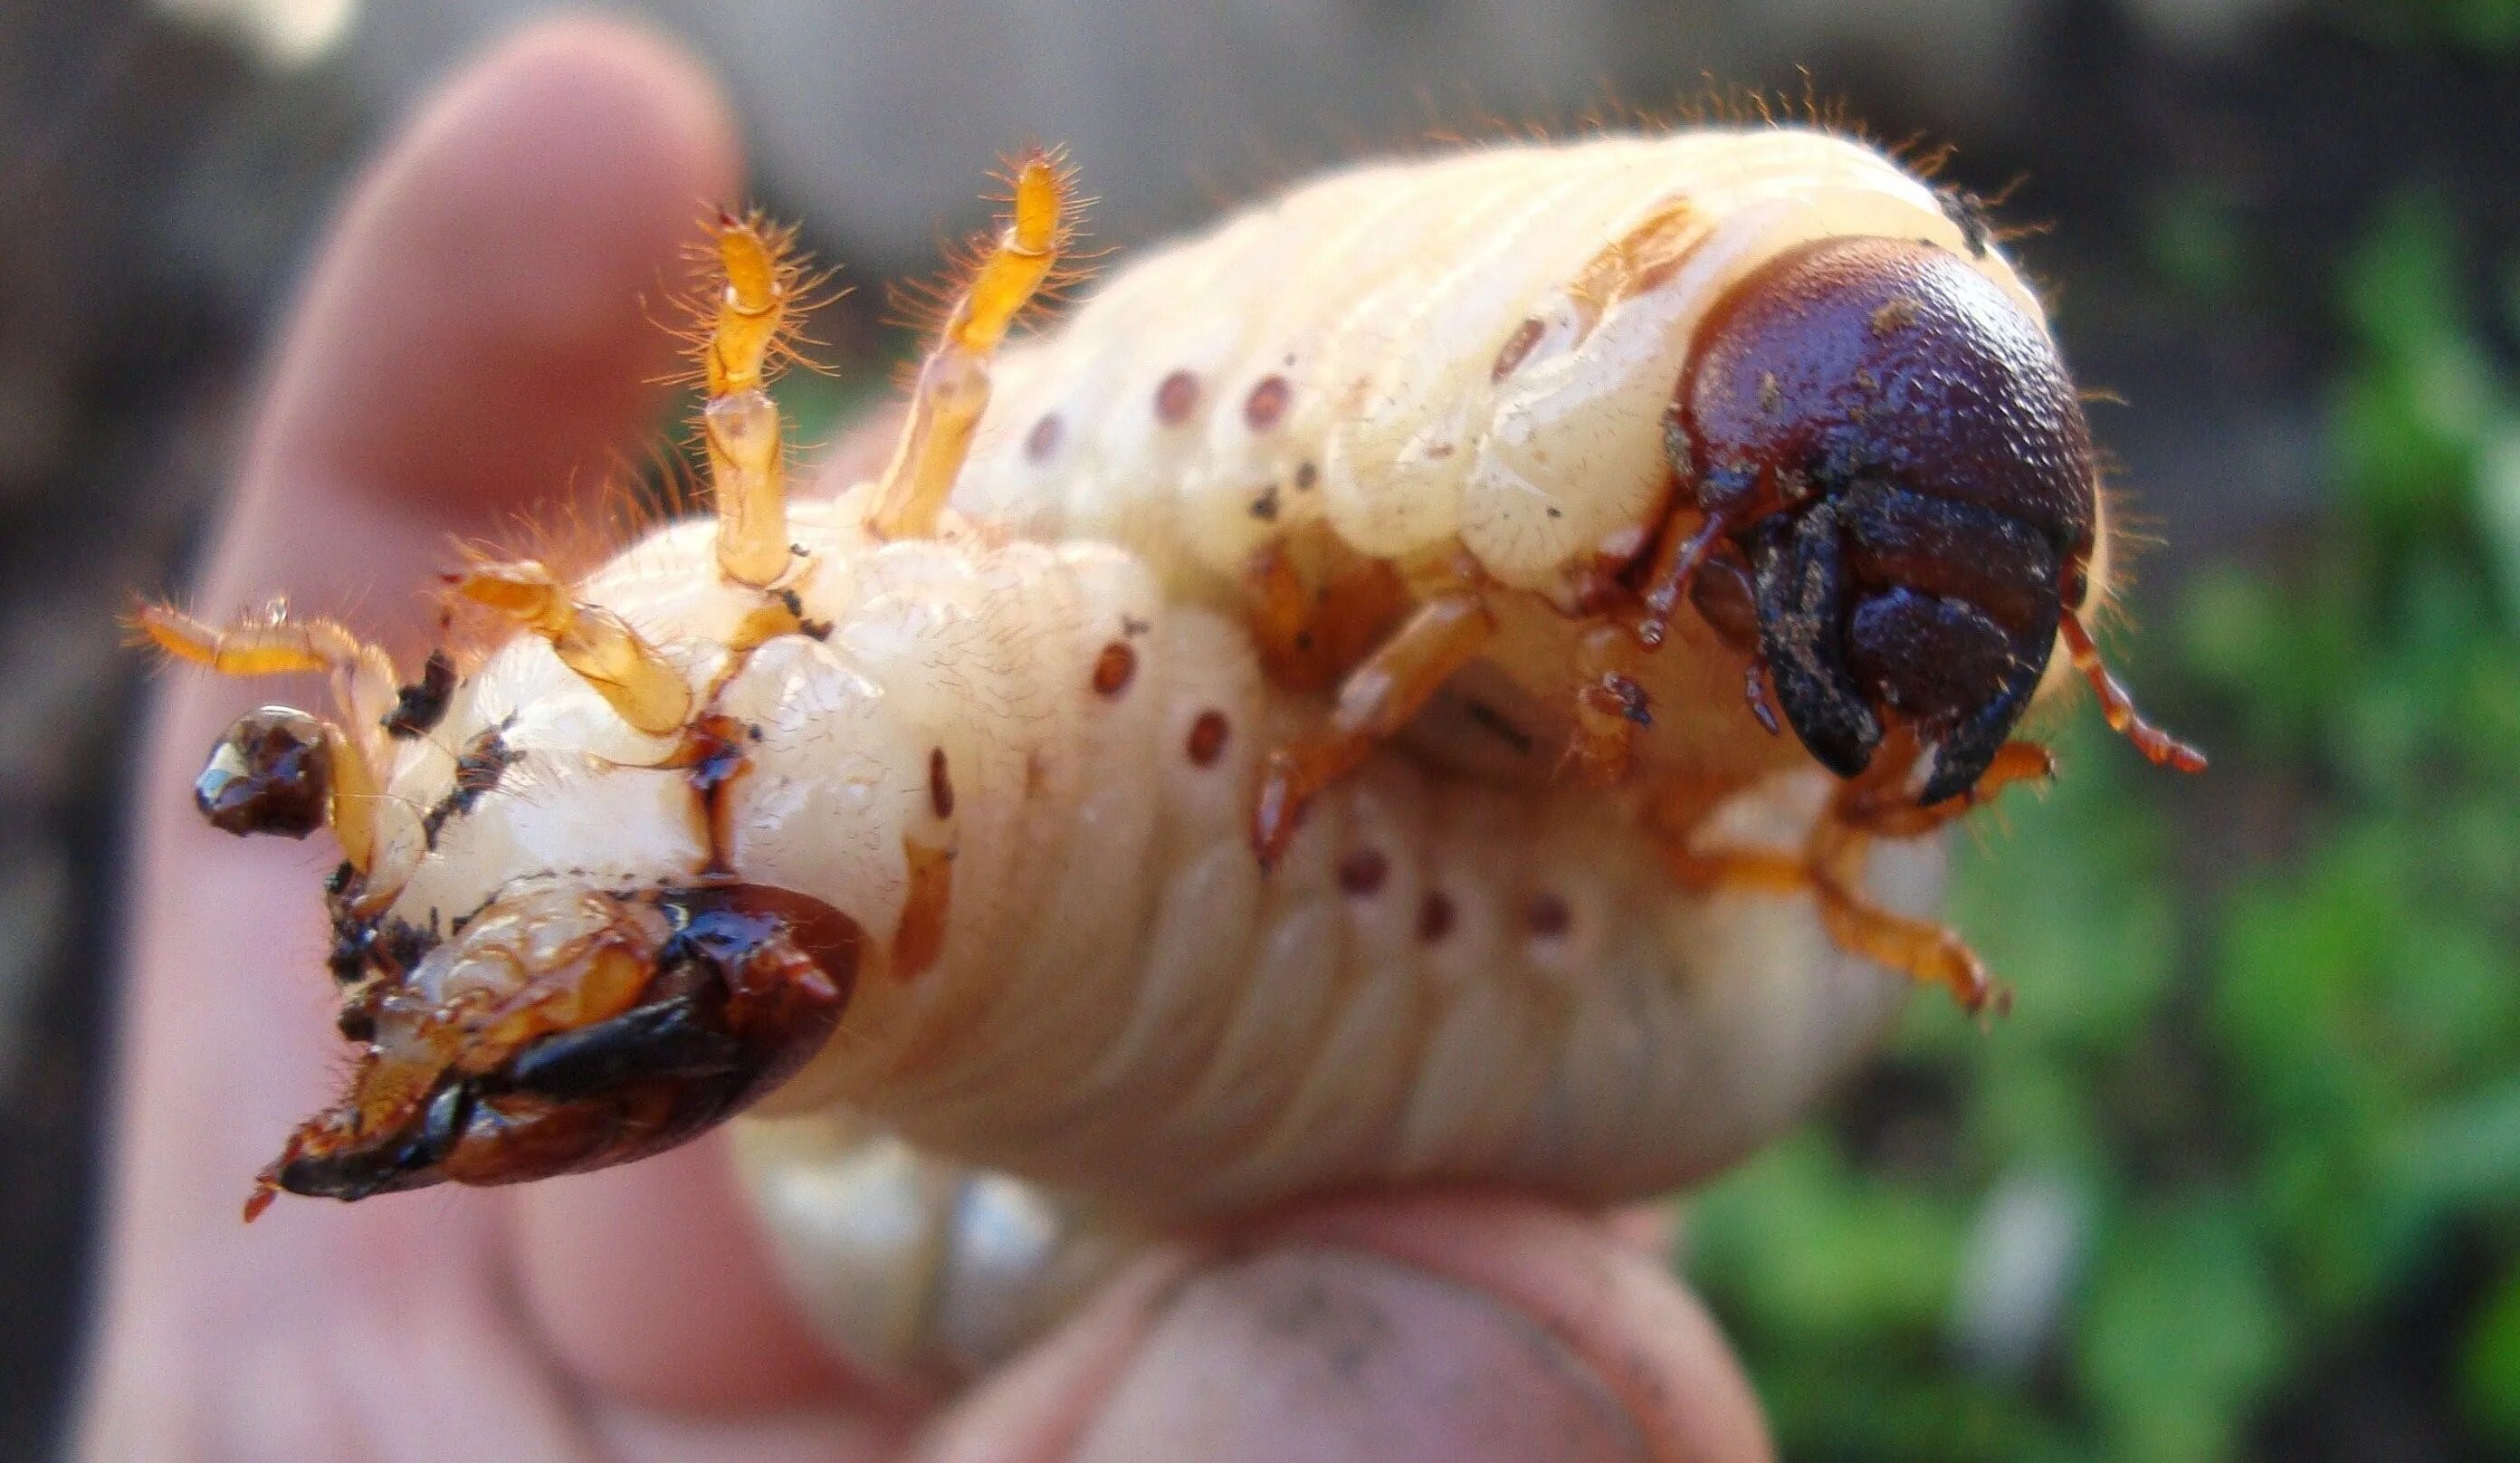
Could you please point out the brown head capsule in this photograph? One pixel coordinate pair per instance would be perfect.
(1892, 461)
(270, 773)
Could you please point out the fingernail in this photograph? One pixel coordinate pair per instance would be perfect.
(1330, 1354)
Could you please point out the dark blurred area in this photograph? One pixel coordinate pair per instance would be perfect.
(2241, 1178)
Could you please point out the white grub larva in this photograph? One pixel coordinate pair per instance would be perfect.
(1171, 820)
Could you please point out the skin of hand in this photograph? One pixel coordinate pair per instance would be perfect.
(471, 341)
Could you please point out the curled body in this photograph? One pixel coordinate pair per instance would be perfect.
(1019, 775)
(1250, 742)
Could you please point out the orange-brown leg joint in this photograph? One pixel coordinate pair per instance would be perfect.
(1377, 700)
(630, 675)
(1316, 612)
(1831, 868)
(953, 387)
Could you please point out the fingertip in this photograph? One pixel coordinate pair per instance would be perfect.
(1458, 1326)
(652, 1288)
(1619, 1309)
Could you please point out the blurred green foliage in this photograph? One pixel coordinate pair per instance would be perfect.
(2478, 25)
(2257, 1113)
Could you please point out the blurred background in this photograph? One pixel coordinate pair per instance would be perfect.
(2239, 1178)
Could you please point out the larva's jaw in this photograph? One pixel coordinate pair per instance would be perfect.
(566, 1028)
(1901, 479)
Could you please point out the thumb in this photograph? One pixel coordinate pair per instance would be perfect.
(1441, 1327)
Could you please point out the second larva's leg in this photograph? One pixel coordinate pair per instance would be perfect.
(274, 643)
(1376, 700)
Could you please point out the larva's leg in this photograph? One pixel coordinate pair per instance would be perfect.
(2118, 708)
(1310, 629)
(953, 387)
(1894, 818)
(1376, 700)
(1831, 868)
(273, 643)
(738, 422)
(273, 761)
(628, 673)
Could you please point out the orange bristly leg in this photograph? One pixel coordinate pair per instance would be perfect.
(363, 680)
(953, 387)
(1889, 816)
(738, 422)
(1376, 699)
(274, 643)
(2159, 747)
(1831, 868)
(628, 673)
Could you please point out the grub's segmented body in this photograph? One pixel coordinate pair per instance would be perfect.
(1478, 349)
(1171, 823)
(1023, 774)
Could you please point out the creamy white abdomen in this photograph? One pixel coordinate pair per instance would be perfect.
(1124, 1007)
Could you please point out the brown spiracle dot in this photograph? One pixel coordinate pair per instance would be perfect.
(1267, 402)
(1176, 398)
(1114, 668)
(940, 783)
(1208, 738)
(1045, 437)
(1360, 874)
(1434, 916)
(1517, 348)
(1306, 474)
(1548, 916)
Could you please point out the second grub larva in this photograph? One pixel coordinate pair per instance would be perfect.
(1298, 725)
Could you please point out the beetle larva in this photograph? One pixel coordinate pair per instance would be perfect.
(945, 817)
(1616, 425)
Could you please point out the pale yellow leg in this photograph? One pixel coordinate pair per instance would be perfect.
(953, 387)
(740, 423)
(628, 673)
